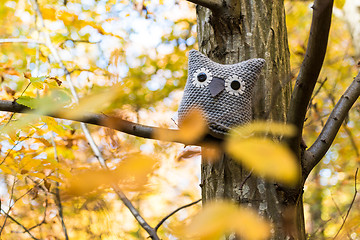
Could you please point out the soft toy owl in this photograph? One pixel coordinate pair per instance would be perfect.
(221, 92)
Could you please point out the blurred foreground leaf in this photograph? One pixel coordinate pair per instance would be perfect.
(264, 156)
(131, 174)
(339, 3)
(191, 130)
(92, 103)
(265, 128)
(219, 218)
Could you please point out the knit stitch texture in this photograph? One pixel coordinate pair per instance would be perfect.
(230, 107)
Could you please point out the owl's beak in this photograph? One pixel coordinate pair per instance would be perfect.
(216, 86)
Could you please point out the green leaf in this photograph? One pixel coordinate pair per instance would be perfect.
(28, 101)
(38, 79)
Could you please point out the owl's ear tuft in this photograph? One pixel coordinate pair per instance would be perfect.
(255, 65)
(195, 55)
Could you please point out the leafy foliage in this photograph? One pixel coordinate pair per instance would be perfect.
(127, 58)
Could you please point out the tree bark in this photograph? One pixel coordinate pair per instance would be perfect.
(240, 30)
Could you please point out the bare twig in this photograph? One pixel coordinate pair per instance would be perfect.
(10, 206)
(18, 223)
(57, 191)
(317, 91)
(20, 40)
(151, 231)
(351, 204)
(173, 212)
(244, 181)
(44, 217)
(340, 214)
(332, 126)
(210, 4)
(310, 68)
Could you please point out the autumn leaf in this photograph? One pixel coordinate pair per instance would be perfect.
(92, 103)
(5, 169)
(58, 82)
(339, 3)
(37, 174)
(191, 130)
(27, 75)
(38, 82)
(9, 91)
(28, 101)
(265, 157)
(54, 178)
(217, 219)
(132, 174)
(265, 128)
(188, 152)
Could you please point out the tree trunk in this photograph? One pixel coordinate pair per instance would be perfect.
(240, 30)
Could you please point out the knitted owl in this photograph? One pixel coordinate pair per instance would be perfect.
(222, 92)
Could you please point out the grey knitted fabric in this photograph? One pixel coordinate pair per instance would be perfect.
(221, 92)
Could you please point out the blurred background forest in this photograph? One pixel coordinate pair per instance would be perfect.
(139, 48)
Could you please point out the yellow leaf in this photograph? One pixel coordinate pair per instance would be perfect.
(191, 130)
(24, 187)
(92, 103)
(250, 225)
(278, 129)
(340, 3)
(48, 13)
(265, 157)
(53, 125)
(28, 163)
(38, 85)
(43, 141)
(37, 174)
(132, 174)
(5, 169)
(65, 172)
(54, 178)
(217, 219)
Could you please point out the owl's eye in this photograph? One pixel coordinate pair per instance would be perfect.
(235, 85)
(202, 77)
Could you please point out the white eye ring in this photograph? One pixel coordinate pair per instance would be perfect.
(205, 74)
(235, 85)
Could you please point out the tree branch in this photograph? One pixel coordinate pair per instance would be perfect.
(18, 223)
(332, 126)
(173, 212)
(20, 40)
(210, 4)
(351, 204)
(151, 231)
(310, 68)
(115, 123)
(57, 191)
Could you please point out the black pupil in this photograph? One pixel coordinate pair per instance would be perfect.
(201, 77)
(235, 85)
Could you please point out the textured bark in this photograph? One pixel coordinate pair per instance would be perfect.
(240, 30)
